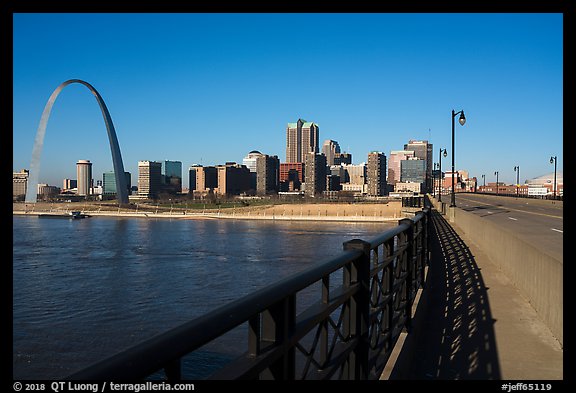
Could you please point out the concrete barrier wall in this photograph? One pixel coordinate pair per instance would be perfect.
(537, 276)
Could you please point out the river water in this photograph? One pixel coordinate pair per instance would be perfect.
(84, 290)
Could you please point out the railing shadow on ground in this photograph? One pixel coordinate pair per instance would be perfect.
(457, 336)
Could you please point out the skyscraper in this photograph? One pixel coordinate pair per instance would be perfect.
(301, 138)
(376, 174)
(172, 176)
(233, 179)
(413, 171)
(84, 177)
(396, 156)
(315, 174)
(342, 158)
(267, 174)
(149, 178)
(292, 175)
(330, 148)
(109, 183)
(355, 174)
(423, 150)
(68, 184)
(250, 162)
(203, 178)
(20, 183)
(192, 178)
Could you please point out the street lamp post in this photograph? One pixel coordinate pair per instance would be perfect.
(434, 180)
(442, 151)
(496, 173)
(553, 158)
(484, 180)
(462, 121)
(517, 170)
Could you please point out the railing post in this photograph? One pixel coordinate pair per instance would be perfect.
(360, 309)
(324, 324)
(173, 370)
(410, 270)
(254, 336)
(426, 232)
(278, 323)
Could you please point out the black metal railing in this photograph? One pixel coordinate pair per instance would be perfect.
(413, 201)
(351, 328)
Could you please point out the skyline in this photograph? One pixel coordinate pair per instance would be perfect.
(209, 88)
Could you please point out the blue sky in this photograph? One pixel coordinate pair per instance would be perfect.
(209, 88)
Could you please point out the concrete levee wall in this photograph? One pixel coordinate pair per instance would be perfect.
(538, 276)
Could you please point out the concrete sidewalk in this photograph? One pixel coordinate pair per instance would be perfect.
(477, 325)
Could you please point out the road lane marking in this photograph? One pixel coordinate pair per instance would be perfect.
(557, 230)
(509, 208)
(512, 218)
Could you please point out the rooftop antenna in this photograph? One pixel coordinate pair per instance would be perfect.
(429, 135)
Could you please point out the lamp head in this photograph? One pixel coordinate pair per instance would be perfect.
(445, 154)
(551, 160)
(462, 119)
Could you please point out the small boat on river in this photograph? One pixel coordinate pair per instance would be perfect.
(73, 215)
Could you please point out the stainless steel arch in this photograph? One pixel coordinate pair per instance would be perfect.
(121, 187)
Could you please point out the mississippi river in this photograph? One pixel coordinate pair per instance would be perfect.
(84, 290)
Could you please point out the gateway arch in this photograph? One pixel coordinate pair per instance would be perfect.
(121, 186)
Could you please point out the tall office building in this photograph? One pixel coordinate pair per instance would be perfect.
(315, 177)
(233, 179)
(394, 166)
(84, 177)
(250, 162)
(333, 183)
(149, 178)
(109, 183)
(423, 150)
(301, 138)
(338, 170)
(20, 183)
(376, 174)
(355, 174)
(342, 158)
(267, 174)
(68, 184)
(192, 178)
(291, 175)
(330, 149)
(286, 167)
(202, 178)
(47, 190)
(172, 176)
(413, 171)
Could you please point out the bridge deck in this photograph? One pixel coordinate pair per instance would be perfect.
(478, 325)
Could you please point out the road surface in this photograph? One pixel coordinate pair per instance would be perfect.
(539, 222)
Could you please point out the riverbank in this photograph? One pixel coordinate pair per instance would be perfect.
(342, 212)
